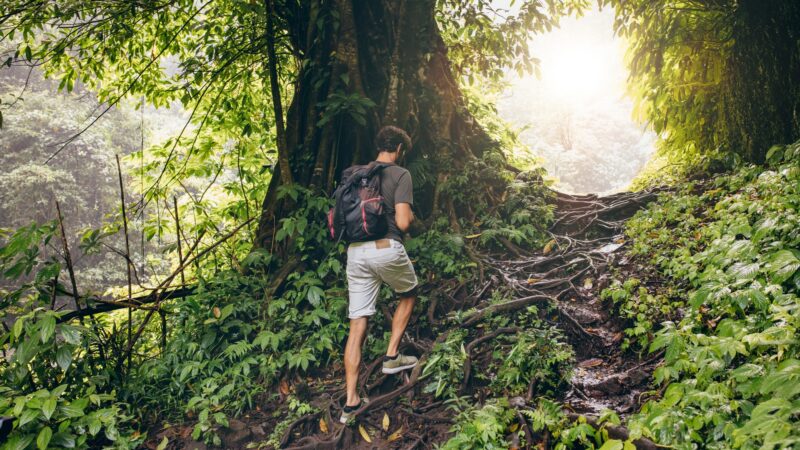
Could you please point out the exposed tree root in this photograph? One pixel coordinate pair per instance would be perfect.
(509, 306)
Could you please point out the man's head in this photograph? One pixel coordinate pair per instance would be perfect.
(392, 142)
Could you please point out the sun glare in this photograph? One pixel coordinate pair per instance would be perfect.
(577, 72)
(580, 62)
(575, 116)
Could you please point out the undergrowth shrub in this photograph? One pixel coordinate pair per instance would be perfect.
(52, 384)
(645, 308)
(496, 425)
(51, 391)
(537, 355)
(440, 254)
(232, 341)
(296, 409)
(482, 428)
(731, 366)
(445, 366)
(522, 211)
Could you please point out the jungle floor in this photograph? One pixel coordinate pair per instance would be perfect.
(569, 274)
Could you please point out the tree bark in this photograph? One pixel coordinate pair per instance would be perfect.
(390, 52)
(277, 106)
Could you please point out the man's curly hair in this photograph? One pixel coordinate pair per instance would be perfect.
(389, 137)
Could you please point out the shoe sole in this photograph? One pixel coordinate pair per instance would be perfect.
(393, 370)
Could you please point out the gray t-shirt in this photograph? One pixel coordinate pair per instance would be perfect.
(396, 187)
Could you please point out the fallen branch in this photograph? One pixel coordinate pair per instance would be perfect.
(136, 302)
(512, 305)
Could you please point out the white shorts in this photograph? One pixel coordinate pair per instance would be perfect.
(368, 267)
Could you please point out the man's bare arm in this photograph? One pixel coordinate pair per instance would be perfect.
(403, 216)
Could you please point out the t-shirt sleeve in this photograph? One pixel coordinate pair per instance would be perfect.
(405, 190)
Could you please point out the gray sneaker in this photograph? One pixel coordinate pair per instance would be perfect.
(399, 364)
(349, 412)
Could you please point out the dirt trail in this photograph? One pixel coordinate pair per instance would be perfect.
(588, 237)
(568, 273)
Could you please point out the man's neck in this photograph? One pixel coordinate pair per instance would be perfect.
(386, 157)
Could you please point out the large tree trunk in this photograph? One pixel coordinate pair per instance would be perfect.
(391, 52)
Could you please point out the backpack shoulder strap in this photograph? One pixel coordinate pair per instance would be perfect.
(367, 170)
(376, 168)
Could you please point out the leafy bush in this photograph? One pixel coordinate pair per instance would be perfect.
(482, 428)
(56, 396)
(440, 254)
(231, 342)
(296, 410)
(643, 308)
(538, 355)
(445, 366)
(489, 427)
(731, 365)
(52, 384)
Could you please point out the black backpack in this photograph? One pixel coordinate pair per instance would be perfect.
(358, 214)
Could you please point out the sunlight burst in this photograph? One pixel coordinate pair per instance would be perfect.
(575, 115)
(577, 72)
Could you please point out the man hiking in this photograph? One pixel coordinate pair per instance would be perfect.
(384, 260)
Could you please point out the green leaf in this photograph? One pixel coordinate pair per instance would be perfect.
(48, 327)
(19, 442)
(48, 407)
(782, 265)
(226, 311)
(612, 444)
(64, 357)
(314, 295)
(17, 330)
(70, 334)
(163, 444)
(64, 439)
(43, 440)
(94, 426)
(72, 410)
(27, 416)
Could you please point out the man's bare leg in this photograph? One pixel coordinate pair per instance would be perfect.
(399, 322)
(352, 358)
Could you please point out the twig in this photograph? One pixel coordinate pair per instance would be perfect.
(127, 252)
(67, 257)
(140, 303)
(178, 237)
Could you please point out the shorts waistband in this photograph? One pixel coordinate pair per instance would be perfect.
(380, 243)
